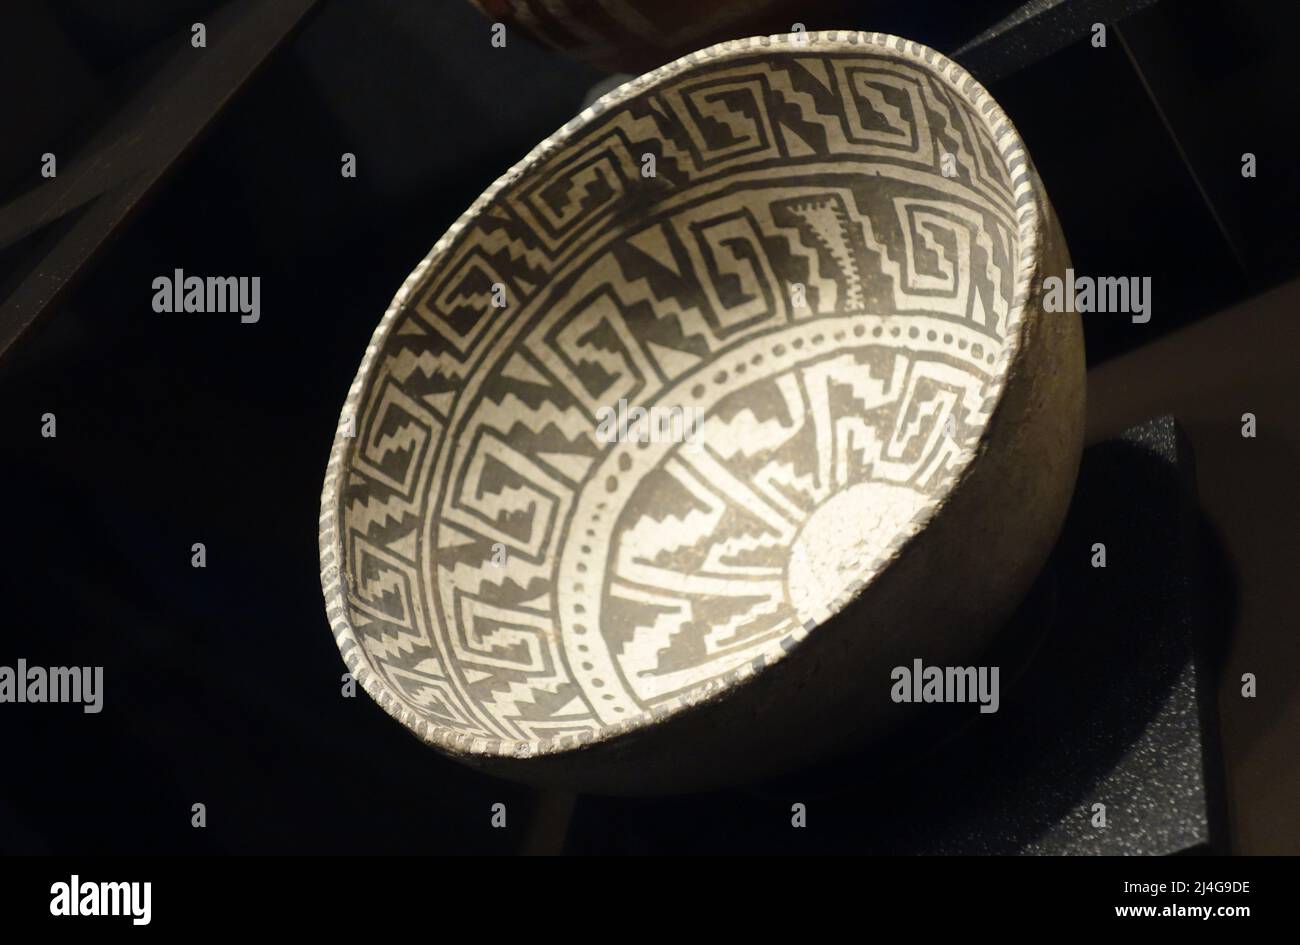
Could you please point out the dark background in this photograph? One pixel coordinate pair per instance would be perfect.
(223, 684)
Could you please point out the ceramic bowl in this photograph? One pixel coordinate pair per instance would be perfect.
(733, 395)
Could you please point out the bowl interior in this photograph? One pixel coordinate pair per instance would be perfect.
(673, 390)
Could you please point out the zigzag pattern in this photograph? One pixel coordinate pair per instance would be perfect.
(824, 269)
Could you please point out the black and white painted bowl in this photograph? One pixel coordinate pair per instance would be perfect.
(733, 395)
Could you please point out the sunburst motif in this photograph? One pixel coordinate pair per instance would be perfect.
(743, 532)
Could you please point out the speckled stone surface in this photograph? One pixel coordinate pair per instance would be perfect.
(1108, 711)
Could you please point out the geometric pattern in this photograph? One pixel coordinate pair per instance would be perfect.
(643, 577)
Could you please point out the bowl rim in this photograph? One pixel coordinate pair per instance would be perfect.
(1030, 211)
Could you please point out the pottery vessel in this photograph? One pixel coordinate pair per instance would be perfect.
(733, 395)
